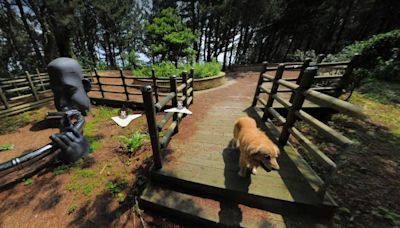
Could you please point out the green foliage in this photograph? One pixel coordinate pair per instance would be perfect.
(378, 46)
(12, 123)
(132, 59)
(85, 173)
(164, 69)
(381, 91)
(99, 116)
(6, 146)
(379, 56)
(131, 144)
(101, 65)
(28, 181)
(87, 188)
(204, 70)
(60, 169)
(388, 214)
(116, 186)
(121, 197)
(168, 37)
(72, 208)
(378, 112)
(300, 55)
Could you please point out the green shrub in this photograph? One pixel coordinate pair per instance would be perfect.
(378, 47)
(133, 143)
(6, 146)
(204, 70)
(166, 69)
(379, 56)
(116, 186)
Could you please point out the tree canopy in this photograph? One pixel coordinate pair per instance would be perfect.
(104, 32)
(167, 37)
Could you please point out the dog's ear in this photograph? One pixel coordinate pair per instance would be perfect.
(256, 151)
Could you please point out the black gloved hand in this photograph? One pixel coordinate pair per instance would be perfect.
(72, 144)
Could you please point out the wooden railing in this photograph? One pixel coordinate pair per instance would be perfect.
(128, 86)
(184, 93)
(302, 90)
(22, 93)
(25, 92)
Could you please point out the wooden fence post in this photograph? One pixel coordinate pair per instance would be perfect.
(274, 90)
(172, 81)
(4, 99)
(40, 79)
(306, 64)
(191, 75)
(31, 85)
(99, 83)
(320, 58)
(124, 84)
(153, 76)
(346, 79)
(147, 94)
(259, 83)
(305, 84)
(184, 90)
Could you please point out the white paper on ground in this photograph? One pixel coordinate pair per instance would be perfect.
(126, 121)
(182, 110)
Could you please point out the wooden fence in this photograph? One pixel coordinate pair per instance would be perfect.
(184, 93)
(302, 90)
(22, 93)
(115, 90)
(25, 92)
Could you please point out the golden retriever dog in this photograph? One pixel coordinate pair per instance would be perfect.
(256, 149)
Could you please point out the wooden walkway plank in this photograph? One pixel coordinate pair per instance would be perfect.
(212, 213)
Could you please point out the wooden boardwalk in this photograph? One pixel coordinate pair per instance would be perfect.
(199, 178)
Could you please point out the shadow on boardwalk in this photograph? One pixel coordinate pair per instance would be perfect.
(230, 212)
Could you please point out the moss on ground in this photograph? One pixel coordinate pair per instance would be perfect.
(99, 116)
(386, 114)
(12, 123)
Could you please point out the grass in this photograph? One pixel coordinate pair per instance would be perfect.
(99, 115)
(384, 114)
(116, 186)
(72, 208)
(28, 181)
(389, 215)
(87, 188)
(131, 144)
(381, 91)
(60, 169)
(12, 123)
(6, 146)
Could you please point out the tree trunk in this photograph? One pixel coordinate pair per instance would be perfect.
(30, 34)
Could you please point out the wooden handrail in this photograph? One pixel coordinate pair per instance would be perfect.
(335, 103)
(324, 129)
(312, 149)
(160, 105)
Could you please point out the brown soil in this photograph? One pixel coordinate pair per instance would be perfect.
(46, 200)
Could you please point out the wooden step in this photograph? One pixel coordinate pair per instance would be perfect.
(262, 191)
(186, 208)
